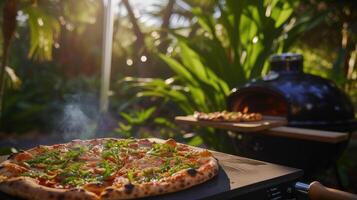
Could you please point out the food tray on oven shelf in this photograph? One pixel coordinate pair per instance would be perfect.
(266, 123)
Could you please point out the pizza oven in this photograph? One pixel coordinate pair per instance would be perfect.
(307, 101)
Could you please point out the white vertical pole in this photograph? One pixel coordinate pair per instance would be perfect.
(106, 53)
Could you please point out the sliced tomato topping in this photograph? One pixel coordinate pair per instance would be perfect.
(23, 156)
(171, 142)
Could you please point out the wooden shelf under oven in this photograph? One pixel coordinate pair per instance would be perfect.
(273, 126)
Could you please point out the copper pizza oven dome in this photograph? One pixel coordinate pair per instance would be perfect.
(306, 100)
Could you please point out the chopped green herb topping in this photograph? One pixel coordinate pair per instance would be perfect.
(162, 149)
(48, 157)
(71, 170)
(119, 143)
(74, 175)
(130, 175)
(38, 174)
(108, 169)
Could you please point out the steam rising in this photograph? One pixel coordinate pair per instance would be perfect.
(76, 124)
(79, 120)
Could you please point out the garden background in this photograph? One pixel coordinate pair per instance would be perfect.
(169, 58)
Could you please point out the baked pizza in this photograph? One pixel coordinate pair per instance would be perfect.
(105, 168)
(228, 116)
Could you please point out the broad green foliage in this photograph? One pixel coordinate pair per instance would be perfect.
(232, 49)
(205, 89)
(44, 22)
(228, 51)
(144, 123)
(242, 38)
(33, 84)
(138, 117)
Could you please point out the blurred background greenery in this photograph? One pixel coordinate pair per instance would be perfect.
(52, 50)
(169, 58)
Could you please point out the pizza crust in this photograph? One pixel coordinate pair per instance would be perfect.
(179, 181)
(27, 188)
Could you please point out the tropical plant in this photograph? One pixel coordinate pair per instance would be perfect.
(44, 29)
(133, 120)
(144, 123)
(8, 30)
(39, 27)
(227, 51)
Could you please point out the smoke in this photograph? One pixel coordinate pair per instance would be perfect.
(76, 124)
(79, 119)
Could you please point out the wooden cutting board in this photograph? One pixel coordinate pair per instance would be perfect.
(237, 176)
(267, 123)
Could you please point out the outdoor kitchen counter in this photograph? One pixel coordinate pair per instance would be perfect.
(237, 176)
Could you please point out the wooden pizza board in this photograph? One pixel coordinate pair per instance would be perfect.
(273, 126)
(266, 123)
(237, 176)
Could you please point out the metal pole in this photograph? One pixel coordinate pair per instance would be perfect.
(106, 54)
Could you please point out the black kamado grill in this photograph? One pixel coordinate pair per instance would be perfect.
(306, 101)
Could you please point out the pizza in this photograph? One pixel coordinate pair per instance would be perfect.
(228, 116)
(105, 168)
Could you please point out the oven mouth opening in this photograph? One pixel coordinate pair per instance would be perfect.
(258, 99)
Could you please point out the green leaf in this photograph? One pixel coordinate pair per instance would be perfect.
(164, 122)
(205, 21)
(281, 12)
(130, 175)
(195, 141)
(138, 117)
(44, 30)
(108, 169)
(180, 70)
